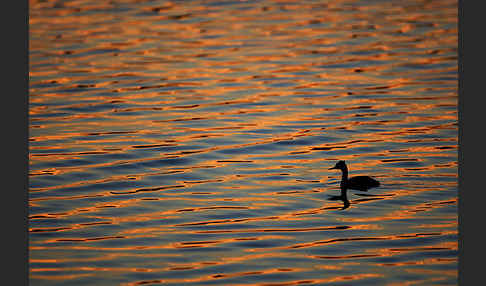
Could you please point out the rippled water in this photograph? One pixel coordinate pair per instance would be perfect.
(189, 142)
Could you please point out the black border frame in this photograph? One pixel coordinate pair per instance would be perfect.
(15, 76)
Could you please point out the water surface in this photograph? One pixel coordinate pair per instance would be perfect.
(189, 142)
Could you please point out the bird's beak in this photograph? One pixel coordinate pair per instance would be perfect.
(332, 168)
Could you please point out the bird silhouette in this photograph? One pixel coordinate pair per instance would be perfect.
(361, 183)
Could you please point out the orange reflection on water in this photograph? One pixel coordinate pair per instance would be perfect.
(269, 271)
(421, 262)
(198, 137)
(404, 213)
(66, 277)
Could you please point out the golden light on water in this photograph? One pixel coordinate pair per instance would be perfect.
(190, 142)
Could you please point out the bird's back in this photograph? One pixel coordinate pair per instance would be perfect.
(362, 183)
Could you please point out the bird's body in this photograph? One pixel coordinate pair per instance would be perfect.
(361, 183)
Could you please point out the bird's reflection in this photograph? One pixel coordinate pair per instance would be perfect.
(342, 197)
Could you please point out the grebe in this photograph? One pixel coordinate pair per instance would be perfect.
(361, 183)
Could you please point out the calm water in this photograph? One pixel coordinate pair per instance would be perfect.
(189, 142)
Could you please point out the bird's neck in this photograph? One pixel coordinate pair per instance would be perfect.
(345, 174)
(344, 179)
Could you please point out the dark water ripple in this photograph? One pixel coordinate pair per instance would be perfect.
(188, 143)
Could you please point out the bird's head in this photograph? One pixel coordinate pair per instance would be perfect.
(341, 165)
